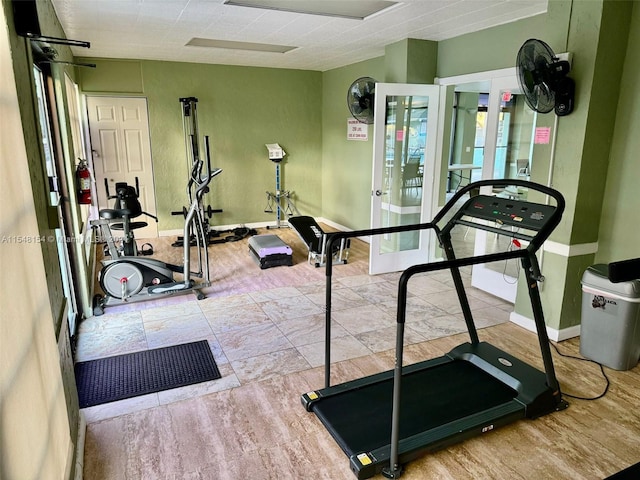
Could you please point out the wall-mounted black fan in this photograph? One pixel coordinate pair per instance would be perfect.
(543, 78)
(360, 98)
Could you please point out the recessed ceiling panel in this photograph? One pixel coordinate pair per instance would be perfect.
(332, 8)
(254, 47)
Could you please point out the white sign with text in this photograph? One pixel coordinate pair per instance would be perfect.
(357, 130)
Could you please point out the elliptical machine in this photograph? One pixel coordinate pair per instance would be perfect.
(130, 278)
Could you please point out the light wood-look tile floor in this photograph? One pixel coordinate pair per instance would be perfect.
(265, 328)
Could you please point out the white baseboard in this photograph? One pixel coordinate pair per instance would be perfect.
(342, 228)
(555, 335)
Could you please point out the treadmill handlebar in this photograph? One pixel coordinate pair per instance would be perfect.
(501, 183)
(536, 241)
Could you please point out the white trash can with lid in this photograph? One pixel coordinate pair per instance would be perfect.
(610, 328)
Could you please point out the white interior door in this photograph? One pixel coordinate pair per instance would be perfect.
(405, 135)
(121, 151)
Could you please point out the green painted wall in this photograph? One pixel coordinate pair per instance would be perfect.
(496, 47)
(241, 109)
(619, 235)
(346, 164)
(410, 61)
(598, 39)
(113, 76)
(597, 34)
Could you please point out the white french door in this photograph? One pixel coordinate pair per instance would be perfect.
(405, 137)
(504, 134)
(121, 148)
(508, 154)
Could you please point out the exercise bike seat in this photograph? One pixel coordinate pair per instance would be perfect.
(117, 214)
(132, 225)
(114, 213)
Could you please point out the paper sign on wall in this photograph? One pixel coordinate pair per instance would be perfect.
(357, 130)
(542, 135)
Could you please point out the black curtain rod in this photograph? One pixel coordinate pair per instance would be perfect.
(59, 41)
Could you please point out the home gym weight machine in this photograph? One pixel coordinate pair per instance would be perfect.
(385, 420)
(275, 199)
(130, 278)
(192, 146)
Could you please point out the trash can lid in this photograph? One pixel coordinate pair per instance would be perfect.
(597, 276)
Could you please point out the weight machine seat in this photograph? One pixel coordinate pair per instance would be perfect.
(309, 231)
(316, 241)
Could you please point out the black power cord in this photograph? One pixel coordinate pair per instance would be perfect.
(606, 388)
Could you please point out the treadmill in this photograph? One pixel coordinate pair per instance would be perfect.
(385, 420)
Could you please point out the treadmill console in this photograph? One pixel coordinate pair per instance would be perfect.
(507, 211)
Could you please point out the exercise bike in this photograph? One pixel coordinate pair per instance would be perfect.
(126, 208)
(131, 278)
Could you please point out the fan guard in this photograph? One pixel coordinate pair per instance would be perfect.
(360, 99)
(543, 78)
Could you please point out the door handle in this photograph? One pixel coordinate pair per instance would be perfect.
(379, 193)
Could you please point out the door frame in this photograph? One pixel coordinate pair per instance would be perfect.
(395, 261)
(152, 227)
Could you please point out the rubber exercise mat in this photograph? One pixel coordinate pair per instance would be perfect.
(130, 375)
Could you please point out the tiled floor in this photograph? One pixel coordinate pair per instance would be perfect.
(266, 331)
(271, 332)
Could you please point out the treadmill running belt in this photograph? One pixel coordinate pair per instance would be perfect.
(360, 420)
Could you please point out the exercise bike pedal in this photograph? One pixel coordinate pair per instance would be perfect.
(168, 287)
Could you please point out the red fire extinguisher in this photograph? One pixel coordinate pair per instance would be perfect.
(83, 182)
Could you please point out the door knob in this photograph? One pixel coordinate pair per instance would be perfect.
(379, 193)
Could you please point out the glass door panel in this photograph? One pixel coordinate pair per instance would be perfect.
(514, 124)
(469, 124)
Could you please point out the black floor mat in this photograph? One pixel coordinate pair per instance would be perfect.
(124, 376)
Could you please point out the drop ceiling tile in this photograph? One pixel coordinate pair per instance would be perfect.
(136, 29)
